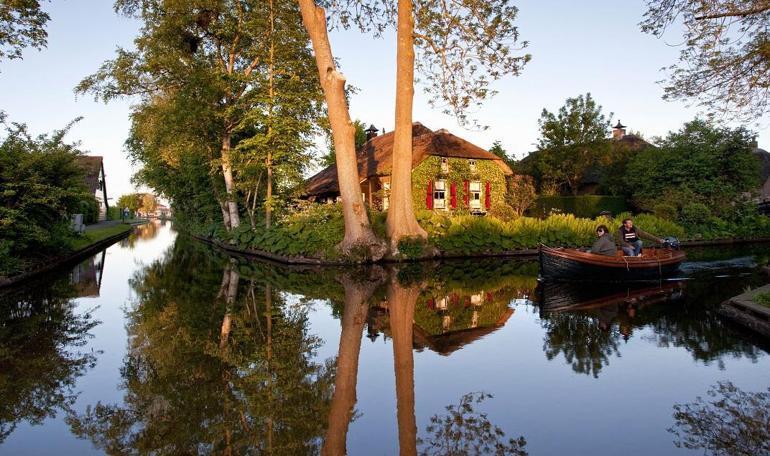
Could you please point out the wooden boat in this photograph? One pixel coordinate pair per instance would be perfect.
(573, 264)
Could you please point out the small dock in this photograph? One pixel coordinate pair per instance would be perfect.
(743, 310)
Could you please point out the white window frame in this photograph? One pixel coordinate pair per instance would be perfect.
(439, 195)
(445, 165)
(472, 164)
(475, 194)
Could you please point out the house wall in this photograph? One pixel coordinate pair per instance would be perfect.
(459, 171)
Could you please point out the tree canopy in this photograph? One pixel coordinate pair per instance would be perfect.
(22, 25)
(724, 62)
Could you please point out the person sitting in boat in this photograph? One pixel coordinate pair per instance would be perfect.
(630, 238)
(604, 244)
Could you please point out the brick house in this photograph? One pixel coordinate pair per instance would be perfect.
(448, 173)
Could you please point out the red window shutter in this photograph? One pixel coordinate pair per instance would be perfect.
(467, 193)
(453, 195)
(429, 196)
(488, 197)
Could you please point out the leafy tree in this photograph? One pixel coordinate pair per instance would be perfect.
(41, 184)
(231, 64)
(725, 57)
(700, 163)
(360, 139)
(497, 149)
(22, 24)
(521, 193)
(132, 201)
(571, 141)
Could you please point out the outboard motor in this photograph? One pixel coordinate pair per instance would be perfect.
(671, 243)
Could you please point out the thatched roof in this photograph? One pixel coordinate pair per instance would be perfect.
(764, 163)
(92, 165)
(374, 157)
(446, 344)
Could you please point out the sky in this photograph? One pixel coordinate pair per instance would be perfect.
(577, 47)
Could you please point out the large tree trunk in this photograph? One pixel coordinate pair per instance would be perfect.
(358, 232)
(227, 172)
(229, 288)
(401, 302)
(357, 295)
(401, 220)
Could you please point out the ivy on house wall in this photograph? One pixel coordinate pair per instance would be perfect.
(459, 171)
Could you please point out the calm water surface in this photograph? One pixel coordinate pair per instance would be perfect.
(162, 345)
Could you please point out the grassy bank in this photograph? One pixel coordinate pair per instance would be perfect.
(96, 235)
(315, 231)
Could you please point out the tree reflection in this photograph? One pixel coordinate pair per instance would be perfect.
(587, 343)
(40, 330)
(730, 422)
(464, 431)
(217, 363)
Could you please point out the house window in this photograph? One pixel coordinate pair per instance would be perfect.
(439, 195)
(472, 165)
(385, 195)
(475, 195)
(444, 165)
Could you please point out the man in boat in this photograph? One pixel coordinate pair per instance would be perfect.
(604, 244)
(630, 238)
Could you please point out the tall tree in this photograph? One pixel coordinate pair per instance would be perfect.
(22, 24)
(724, 63)
(212, 53)
(358, 231)
(571, 141)
(459, 47)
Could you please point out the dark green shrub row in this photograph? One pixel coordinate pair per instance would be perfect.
(585, 206)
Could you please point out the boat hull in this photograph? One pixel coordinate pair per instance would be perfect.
(572, 265)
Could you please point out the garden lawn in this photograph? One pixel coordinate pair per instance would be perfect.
(92, 237)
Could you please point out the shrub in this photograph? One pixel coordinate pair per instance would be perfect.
(586, 206)
(503, 212)
(694, 213)
(665, 210)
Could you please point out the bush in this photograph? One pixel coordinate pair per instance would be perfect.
(503, 212)
(586, 206)
(694, 214)
(665, 210)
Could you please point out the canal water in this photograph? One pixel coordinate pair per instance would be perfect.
(162, 345)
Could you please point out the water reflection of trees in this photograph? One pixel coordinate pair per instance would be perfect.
(216, 363)
(40, 332)
(730, 422)
(591, 322)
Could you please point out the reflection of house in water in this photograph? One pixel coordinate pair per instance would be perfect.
(87, 276)
(445, 320)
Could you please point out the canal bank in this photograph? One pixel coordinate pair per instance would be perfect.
(95, 238)
(435, 253)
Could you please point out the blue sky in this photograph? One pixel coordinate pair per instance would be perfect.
(577, 47)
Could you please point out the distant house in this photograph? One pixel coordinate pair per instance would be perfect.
(764, 159)
(448, 173)
(95, 181)
(162, 211)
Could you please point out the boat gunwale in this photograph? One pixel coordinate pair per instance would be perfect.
(625, 262)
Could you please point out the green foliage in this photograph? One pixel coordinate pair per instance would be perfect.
(22, 24)
(579, 206)
(503, 212)
(665, 210)
(700, 163)
(694, 213)
(571, 141)
(411, 248)
(762, 298)
(41, 185)
(459, 171)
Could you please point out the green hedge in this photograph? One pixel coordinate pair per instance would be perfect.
(586, 206)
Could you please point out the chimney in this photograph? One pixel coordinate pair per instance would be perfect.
(618, 131)
(371, 132)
